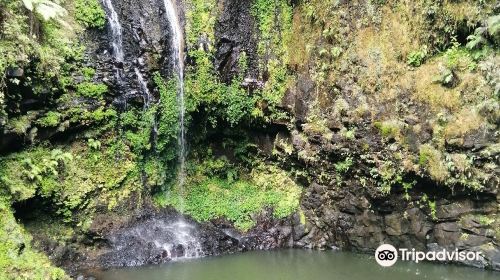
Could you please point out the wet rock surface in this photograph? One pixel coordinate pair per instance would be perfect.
(156, 237)
(235, 34)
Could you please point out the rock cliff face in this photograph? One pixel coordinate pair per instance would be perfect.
(145, 38)
(366, 123)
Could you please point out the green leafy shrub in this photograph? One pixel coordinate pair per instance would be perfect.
(344, 166)
(417, 58)
(91, 90)
(51, 119)
(90, 13)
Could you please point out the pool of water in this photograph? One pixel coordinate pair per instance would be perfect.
(294, 265)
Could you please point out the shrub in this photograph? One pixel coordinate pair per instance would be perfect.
(90, 13)
(416, 58)
(91, 90)
(51, 119)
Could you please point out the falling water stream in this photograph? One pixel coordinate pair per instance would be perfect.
(116, 37)
(179, 237)
(178, 61)
(193, 246)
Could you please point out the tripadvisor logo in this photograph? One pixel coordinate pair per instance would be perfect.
(387, 255)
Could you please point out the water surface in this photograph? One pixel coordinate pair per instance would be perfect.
(295, 265)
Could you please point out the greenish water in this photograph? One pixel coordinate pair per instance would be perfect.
(295, 265)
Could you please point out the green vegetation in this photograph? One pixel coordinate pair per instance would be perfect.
(168, 120)
(18, 260)
(343, 166)
(356, 115)
(416, 58)
(90, 14)
(215, 191)
(486, 221)
(91, 90)
(230, 102)
(64, 177)
(431, 205)
(388, 129)
(51, 119)
(274, 19)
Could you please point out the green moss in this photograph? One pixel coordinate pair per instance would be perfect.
(486, 221)
(88, 73)
(388, 129)
(20, 125)
(302, 217)
(90, 13)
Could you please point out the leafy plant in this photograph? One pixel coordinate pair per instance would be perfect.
(416, 58)
(94, 144)
(344, 166)
(91, 90)
(51, 119)
(90, 13)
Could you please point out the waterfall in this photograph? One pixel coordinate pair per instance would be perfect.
(178, 60)
(116, 31)
(146, 95)
(119, 56)
(188, 241)
(187, 245)
(177, 238)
